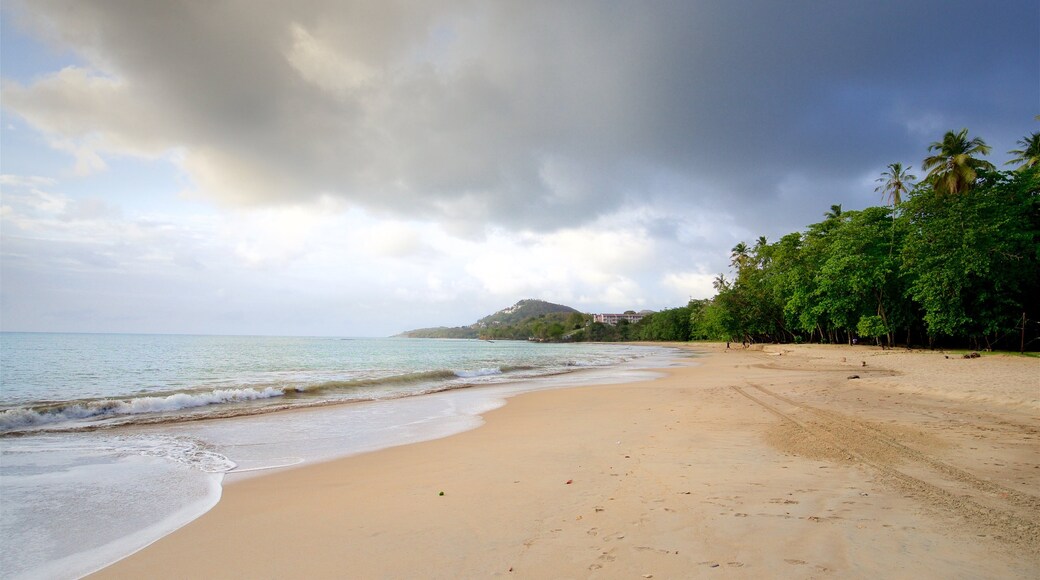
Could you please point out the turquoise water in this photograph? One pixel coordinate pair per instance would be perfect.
(77, 381)
(108, 442)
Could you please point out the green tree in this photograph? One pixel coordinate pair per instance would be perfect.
(672, 324)
(857, 278)
(555, 331)
(1029, 155)
(954, 168)
(577, 320)
(973, 261)
(739, 255)
(895, 182)
(872, 327)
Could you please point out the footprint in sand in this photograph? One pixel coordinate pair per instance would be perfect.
(593, 532)
(650, 549)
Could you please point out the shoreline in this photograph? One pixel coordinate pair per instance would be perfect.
(665, 477)
(30, 418)
(107, 493)
(265, 443)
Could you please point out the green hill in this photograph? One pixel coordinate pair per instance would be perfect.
(442, 332)
(514, 316)
(521, 311)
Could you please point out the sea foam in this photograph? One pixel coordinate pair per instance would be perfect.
(478, 373)
(23, 417)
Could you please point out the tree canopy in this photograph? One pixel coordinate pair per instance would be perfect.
(1029, 155)
(957, 263)
(955, 166)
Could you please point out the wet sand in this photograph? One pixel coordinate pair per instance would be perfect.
(755, 463)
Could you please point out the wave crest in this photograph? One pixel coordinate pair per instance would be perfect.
(478, 373)
(24, 417)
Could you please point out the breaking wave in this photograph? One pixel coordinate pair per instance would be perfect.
(478, 373)
(22, 417)
(164, 406)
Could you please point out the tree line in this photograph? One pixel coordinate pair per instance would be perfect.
(952, 260)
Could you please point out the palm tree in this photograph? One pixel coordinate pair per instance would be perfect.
(739, 255)
(1029, 154)
(895, 182)
(720, 283)
(953, 169)
(834, 213)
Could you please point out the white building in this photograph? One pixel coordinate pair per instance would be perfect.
(613, 319)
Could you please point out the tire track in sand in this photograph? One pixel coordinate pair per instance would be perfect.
(1016, 517)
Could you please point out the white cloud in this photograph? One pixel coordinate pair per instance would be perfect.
(322, 65)
(393, 239)
(8, 180)
(690, 284)
(91, 115)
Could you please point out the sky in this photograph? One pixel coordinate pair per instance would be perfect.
(361, 168)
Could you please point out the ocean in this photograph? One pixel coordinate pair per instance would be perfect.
(110, 441)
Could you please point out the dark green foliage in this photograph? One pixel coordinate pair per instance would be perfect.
(1029, 155)
(973, 259)
(442, 332)
(668, 325)
(525, 319)
(956, 264)
(523, 310)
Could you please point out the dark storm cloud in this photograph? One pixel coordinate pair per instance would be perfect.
(539, 114)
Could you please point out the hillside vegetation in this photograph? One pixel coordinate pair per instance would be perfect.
(523, 320)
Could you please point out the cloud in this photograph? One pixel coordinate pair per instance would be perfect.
(533, 116)
(395, 240)
(309, 268)
(443, 159)
(695, 284)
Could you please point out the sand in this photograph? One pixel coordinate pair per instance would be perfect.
(767, 462)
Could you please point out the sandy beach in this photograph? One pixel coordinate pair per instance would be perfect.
(767, 462)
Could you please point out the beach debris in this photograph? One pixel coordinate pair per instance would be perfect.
(570, 481)
(441, 493)
(648, 575)
(510, 568)
(853, 377)
(972, 355)
(864, 363)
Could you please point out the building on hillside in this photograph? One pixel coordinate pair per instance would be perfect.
(613, 319)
